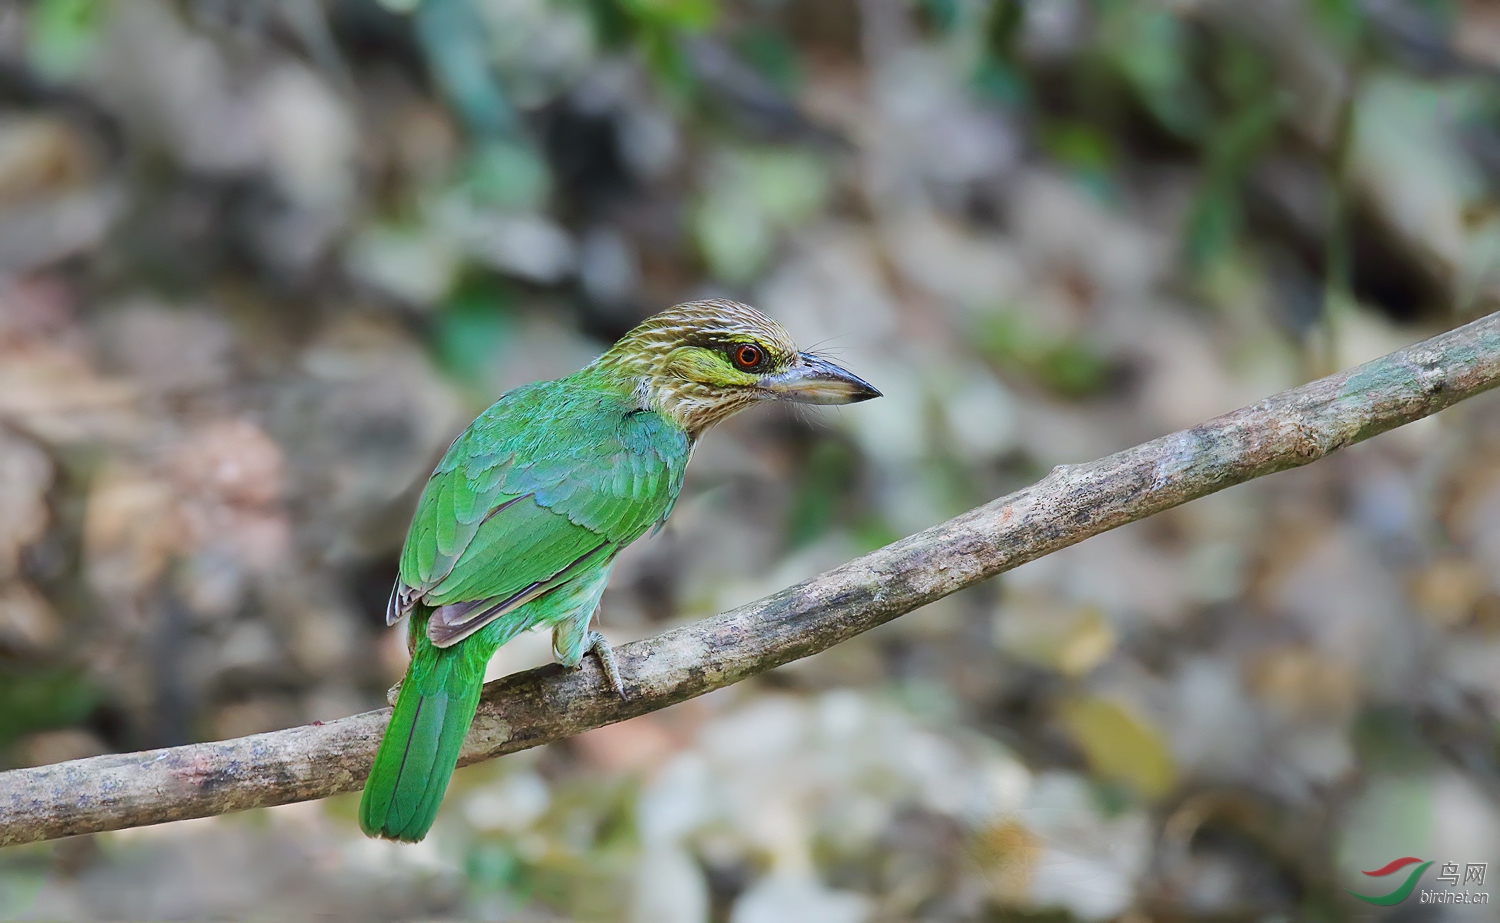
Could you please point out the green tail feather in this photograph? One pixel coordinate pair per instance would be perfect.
(420, 750)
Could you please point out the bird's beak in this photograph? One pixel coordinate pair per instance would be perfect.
(814, 380)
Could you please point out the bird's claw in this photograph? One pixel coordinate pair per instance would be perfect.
(393, 693)
(600, 649)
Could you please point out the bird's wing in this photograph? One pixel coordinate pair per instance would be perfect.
(536, 492)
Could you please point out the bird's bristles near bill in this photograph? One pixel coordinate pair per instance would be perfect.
(827, 347)
(702, 361)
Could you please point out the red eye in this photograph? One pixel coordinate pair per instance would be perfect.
(748, 357)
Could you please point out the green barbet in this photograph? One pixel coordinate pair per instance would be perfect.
(520, 523)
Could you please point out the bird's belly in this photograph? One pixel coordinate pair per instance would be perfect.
(574, 601)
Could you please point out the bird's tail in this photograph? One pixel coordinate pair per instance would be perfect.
(420, 750)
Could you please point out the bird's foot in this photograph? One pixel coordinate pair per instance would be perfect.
(601, 649)
(393, 693)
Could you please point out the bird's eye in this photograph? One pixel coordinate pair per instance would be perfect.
(747, 357)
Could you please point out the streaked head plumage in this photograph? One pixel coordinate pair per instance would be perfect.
(702, 361)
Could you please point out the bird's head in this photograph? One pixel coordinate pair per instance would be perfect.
(702, 361)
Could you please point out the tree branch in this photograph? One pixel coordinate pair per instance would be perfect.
(545, 704)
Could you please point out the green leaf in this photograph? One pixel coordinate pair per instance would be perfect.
(507, 174)
(752, 196)
(997, 80)
(1119, 745)
(826, 481)
(456, 40)
(772, 55)
(1087, 152)
(1067, 365)
(40, 700)
(473, 325)
(790, 186)
(943, 14)
(1340, 21)
(1003, 29)
(732, 235)
(63, 35)
(1148, 46)
(1216, 216)
(1213, 223)
(678, 14)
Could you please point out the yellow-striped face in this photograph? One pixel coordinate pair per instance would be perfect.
(704, 360)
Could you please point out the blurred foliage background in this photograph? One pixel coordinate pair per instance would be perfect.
(260, 261)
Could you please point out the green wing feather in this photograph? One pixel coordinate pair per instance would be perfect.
(553, 473)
